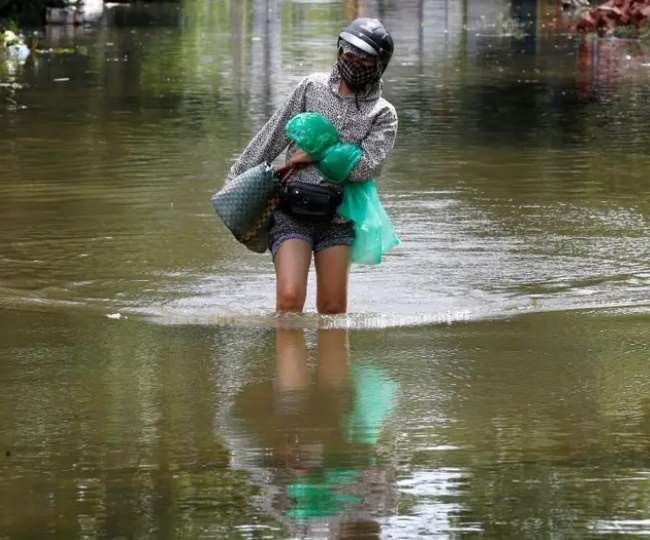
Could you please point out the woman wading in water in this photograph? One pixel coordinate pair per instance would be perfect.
(350, 97)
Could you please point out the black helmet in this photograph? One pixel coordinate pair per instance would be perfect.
(370, 36)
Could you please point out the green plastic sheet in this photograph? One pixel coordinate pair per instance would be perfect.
(374, 230)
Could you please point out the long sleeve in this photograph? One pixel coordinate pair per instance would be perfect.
(376, 146)
(272, 139)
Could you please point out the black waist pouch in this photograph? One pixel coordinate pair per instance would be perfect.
(314, 200)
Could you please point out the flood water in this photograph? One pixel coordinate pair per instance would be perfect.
(492, 379)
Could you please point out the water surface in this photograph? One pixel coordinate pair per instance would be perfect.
(491, 378)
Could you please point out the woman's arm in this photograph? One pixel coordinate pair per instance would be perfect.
(269, 141)
(376, 146)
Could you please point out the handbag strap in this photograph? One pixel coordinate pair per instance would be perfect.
(283, 173)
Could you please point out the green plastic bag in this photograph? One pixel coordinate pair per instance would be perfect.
(338, 161)
(313, 133)
(374, 231)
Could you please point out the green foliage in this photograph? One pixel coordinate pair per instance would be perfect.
(9, 24)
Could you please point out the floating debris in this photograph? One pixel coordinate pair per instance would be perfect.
(56, 50)
(17, 50)
(13, 86)
(9, 38)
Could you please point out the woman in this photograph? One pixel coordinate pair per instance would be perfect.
(350, 97)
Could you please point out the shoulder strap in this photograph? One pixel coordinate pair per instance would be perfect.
(283, 173)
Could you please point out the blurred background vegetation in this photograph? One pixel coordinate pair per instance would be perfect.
(32, 12)
(23, 11)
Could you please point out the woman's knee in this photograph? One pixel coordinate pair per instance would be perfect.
(331, 306)
(290, 297)
(292, 267)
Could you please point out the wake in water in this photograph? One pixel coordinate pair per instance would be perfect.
(379, 299)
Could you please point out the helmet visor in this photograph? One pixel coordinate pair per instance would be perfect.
(359, 43)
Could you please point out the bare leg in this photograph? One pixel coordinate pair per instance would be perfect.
(291, 270)
(332, 269)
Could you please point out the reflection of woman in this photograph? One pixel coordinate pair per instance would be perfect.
(318, 427)
(350, 97)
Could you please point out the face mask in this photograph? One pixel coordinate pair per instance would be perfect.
(357, 76)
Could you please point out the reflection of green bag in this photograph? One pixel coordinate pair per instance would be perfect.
(245, 205)
(319, 495)
(323, 493)
(374, 231)
(375, 400)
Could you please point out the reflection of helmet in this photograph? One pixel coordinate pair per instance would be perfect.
(370, 36)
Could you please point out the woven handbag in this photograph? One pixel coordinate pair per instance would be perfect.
(245, 205)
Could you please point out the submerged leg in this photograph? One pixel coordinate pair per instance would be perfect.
(332, 269)
(291, 270)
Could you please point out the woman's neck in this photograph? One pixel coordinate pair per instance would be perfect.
(344, 89)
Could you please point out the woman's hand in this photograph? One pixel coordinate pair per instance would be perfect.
(300, 159)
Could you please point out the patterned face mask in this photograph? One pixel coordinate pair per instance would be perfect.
(357, 75)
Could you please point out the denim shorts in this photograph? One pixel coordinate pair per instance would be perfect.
(320, 234)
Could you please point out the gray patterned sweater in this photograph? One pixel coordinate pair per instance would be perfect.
(368, 121)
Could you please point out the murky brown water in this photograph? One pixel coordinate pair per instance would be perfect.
(492, 380)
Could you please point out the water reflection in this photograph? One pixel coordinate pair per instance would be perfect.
(493, 428)
(309, 435)
(606, 64)
(107, 431)
(542, 421)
